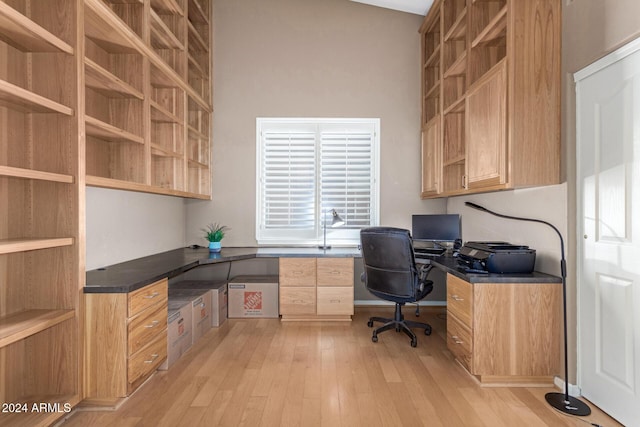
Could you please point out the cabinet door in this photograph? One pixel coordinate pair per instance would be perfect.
(335, 272)
(486, 130)
(297, 300)
(431, 159)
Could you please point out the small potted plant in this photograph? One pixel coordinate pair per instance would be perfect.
(214, 234)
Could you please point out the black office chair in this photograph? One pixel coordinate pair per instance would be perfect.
(390, 273)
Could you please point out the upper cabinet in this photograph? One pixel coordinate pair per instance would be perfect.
(147, 69)
(494, 94)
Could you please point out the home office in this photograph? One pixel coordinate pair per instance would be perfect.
(293, 58)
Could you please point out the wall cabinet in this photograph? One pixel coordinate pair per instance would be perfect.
(126, 341)
(316, 288)
(505, 333)
(491, 80)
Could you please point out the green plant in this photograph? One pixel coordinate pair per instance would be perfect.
(215, 232)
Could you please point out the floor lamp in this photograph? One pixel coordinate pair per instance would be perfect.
(561, 401)
(336, 221)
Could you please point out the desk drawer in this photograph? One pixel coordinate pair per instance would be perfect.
(297, 272)
(148, 359)
(335, 271)
(144, 328)
(143, 298)
(460, 299)
(295, 300)
(459, 341)
(333, 300)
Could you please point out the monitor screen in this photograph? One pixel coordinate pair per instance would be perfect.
(437, 228)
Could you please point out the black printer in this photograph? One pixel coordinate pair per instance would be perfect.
(496, 257)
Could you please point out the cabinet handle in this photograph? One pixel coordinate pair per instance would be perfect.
(297, 273)
(335, 272)
(456, 339)
(153, 295)
(334, 301)
(464, 181)
(152, 324)
(456, 298)
(153, 358)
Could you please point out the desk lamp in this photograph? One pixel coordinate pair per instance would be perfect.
(560, 401)
(336, 221)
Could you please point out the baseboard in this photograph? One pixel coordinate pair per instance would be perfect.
(574, 390)
(381, 303)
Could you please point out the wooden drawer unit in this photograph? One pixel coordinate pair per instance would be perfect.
(144, 362)
(505, 333)
(126, 341)
(316, 288)
(335, 300)
(460, 299)
(297, 300)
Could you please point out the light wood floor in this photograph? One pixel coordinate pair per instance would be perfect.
(268, 373)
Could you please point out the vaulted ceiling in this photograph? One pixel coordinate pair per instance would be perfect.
(419, 7)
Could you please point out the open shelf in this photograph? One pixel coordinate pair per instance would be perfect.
(169, 7)
(159, 151)
(196, 13)
(494, 32)
(108, 84)
(435, 56)
(458, 30)
(23, 324)
(458, 68)
(107, 30)
(27, 36)
(195, 66)
(35, 174)
(196, 133)
(160, 114)
(161, 36)
(107, 132)
(198, 45)
(457, 107)
(8, 246)
(28, 102)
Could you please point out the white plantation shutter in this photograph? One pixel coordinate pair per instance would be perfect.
(307, 167)
(346, 177)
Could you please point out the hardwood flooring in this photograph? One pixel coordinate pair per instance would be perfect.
(263, 372)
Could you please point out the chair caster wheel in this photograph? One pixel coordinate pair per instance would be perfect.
(374, 338)
(370, 323)
(427, 331)
(414, 343)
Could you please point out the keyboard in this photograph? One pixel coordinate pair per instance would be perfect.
(428, 252)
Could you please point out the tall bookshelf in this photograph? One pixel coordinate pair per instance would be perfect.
(108, 93)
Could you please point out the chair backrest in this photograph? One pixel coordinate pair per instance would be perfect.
(389, 263)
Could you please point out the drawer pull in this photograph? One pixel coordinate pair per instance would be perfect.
(153, 358)
(456, 339)
(153, 295)
(152, 324)
(335, 272)
(456, 298)
(334, 301)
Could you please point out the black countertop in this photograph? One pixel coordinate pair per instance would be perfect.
(449, 264)
(131, 275)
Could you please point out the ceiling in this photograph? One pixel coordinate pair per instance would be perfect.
(419, 7)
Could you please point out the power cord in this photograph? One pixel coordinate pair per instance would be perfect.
(578, 419)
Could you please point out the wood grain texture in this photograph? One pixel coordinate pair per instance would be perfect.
(334, 272)
(271, 373)
(332, 300)
(297, 272)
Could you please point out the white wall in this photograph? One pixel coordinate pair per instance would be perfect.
(123, 225)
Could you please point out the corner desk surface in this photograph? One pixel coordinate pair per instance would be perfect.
(128, 276)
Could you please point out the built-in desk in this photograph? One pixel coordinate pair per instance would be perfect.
(505, 329)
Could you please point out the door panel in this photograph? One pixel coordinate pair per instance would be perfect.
(608, 153)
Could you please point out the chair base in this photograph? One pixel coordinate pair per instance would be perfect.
(399, 324)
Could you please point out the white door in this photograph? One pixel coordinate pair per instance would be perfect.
(608, 158)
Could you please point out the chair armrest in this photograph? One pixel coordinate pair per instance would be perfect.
(362, 277)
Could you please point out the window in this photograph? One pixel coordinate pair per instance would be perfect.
(305, 168)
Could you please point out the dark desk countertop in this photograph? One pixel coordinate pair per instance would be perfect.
(131, 275)
(449, 264)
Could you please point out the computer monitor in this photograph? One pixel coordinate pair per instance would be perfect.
(435, 228)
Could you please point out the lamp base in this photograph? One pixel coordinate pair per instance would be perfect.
(325, 247)
(572, 406)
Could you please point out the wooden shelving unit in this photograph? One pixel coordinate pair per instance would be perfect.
(124, 105)
(40, 242)
(499, 125)
(140, 142)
